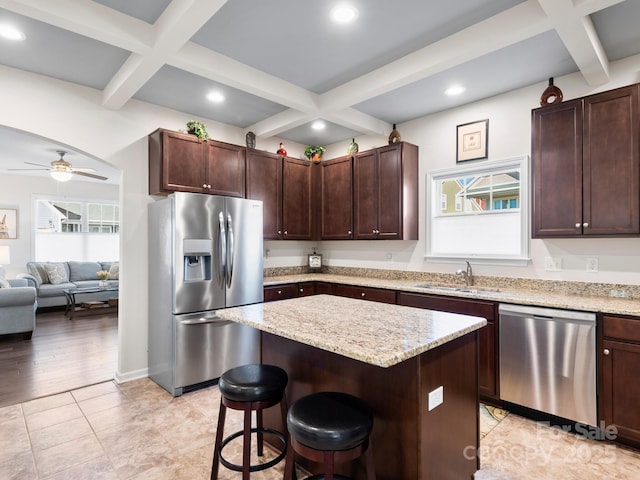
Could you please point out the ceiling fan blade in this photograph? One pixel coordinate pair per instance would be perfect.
(84, 174)
(48, 167)
(83, 169)
(27, 169)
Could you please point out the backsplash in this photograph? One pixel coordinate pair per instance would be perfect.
(561, 287)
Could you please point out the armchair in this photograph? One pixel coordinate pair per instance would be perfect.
(18, 309)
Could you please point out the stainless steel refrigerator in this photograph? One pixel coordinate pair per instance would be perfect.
(205, 253)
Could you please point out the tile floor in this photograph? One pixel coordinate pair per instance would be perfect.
(138, 431)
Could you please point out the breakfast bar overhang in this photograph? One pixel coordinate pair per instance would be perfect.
(417, 369)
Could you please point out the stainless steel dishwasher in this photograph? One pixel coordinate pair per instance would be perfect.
(548, 361)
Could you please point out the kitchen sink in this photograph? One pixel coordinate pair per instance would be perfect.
(446, 288)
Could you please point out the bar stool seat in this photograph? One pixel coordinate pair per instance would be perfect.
(329, 427)
(249, 388)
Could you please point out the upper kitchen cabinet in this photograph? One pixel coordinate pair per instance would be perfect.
(284, 185)
(586, 166)
(180, 162)
(386, 193)
(336, 199)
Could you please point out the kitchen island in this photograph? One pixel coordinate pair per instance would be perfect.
(398, 359)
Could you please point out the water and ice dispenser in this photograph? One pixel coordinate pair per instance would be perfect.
(197, 259)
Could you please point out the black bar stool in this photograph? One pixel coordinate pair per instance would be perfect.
(248, 388)
(328, 428)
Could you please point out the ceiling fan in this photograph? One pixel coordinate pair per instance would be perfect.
(62, 171)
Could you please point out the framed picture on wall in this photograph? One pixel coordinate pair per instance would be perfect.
(8, 223)
(472, 141)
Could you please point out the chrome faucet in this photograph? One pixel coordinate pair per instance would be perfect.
(467, 274)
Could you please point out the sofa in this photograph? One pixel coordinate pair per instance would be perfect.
(17, 308)
(51, 279)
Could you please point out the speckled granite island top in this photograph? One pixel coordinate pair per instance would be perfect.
(375, 333)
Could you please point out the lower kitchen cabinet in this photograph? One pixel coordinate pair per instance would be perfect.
(280, 292)
(487, 365)
(620, 370)
(365, 293)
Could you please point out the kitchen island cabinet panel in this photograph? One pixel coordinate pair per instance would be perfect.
(488, 351)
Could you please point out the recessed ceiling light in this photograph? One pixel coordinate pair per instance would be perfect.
(318, 125)
(454, 90)
(215, 97)
(11, 33)
(344, 13)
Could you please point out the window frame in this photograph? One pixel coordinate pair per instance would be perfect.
(432, 200)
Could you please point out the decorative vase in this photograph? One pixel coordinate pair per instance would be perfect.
(281, 150)
(316, 158)
(103, 284)
(551, 94)
(394, 136)
(250, 139)
(353, 147)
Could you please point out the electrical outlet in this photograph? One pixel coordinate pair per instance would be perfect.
(552, 264)
(592, 265)
(436, 397)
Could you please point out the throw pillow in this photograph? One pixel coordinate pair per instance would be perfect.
(114, 271)
(57, 273)
(37, 271)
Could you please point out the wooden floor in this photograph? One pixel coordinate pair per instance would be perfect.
(62, 355)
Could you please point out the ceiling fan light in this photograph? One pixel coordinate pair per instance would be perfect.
(61, 176)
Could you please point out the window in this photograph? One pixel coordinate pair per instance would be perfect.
(481, 213)
(79, 229)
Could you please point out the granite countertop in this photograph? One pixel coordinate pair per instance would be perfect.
(375, 333)
(515, 293)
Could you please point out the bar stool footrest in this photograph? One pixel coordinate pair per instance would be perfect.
(260, 466)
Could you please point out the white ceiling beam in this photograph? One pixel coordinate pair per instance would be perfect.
(175, 27)
(220, 68)
(361, 122)
(279, 123)
(580, 38)
(502, 30)
(89, 19)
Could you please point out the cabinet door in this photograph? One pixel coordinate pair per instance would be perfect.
(612, 163)
(225, 169)
(557, 170)
(487, 378)
(176, 163)
(389, 192)
(280, 292)
(306, 289)
(365, 191)
(296, 199)
(336, 221)
(620, 364)
(264, 182)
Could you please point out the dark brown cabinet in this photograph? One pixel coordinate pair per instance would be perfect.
(365, 293)
(386, 193)
(586, 166)
(280, 292)
(336, 199)
(488, 361)
(284, 185)
(180, 162)
(620, 370)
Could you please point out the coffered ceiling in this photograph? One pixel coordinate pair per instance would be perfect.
(282, 64)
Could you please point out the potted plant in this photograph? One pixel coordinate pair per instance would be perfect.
(198, 129)
(314, 153)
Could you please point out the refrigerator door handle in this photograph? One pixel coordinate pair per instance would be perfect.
(230, 250)
(205, 321)
(222, 249)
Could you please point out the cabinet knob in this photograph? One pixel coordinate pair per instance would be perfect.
(585, 224)
(349, 232)
(302, 289)
(279, 292)
(362, 294)
(373, 231)
(279, 232)
(285, 232)
(204, 185)
(577, 225)
(606, 351)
